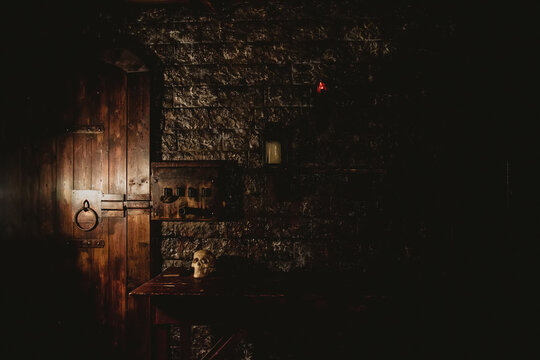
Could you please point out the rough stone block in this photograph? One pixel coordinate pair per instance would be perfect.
(146, 35)
(195, 96)
(203, 334)
(259, 117)
(253, 206)
(243, 53)
(273, 208)
(334, 51)
(192, 32)
(168, 143)
(288, 116)
(234, 140)
(167, 98)
(364, 51)
(202, 340)
(197, 53)
(254, 141)
(245, 11)
(239, 157)
(181, 229)
(257, 250)
(321, 206)
(251, 227)
(199, 140)
(290, 11)
(364, 31)
(310, 255)
(307, 31)
(282, 52)
(278, 73)
(148, 17)
(183, 75)
(230, 118)
(280, 250)
(187, 119)
(168, 125)
(255, 160)
(169, 248)
(280, 265)
(254, 184)
(175, 335)
(223, 247)
(240, 96)
(309, 74)
(288, 228)
(288, 96)
(235, 74)
(188, 246)
(195, 155)
(167, 54)
(250, 31)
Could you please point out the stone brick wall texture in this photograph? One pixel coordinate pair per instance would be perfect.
(345, 201)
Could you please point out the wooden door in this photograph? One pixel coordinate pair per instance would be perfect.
(106, 150)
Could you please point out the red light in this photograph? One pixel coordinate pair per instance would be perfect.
(321, 87)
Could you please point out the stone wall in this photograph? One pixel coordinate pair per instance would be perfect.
(227, 75)
(356, 193)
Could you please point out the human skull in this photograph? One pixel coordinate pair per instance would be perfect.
(203, 263)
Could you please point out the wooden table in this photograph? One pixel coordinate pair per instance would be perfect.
(246, 302)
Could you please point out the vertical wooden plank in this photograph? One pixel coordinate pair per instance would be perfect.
(117, 185)
(138, 316)
(82, 176)
(117, 133)
(138, 221)
(138, 133)
(64, 186)
(117, 279)
(82, 165)
(100, 181)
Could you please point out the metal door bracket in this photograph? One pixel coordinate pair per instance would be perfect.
(86, 243)
(115, 205)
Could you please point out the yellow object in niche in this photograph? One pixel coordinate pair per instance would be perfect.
(273, 152)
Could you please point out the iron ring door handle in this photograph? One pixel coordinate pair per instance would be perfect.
(86, 207)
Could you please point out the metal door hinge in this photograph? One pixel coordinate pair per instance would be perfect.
(85, 129)
(86, 243)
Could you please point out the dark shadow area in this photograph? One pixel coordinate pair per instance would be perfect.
(461, 191)
(49, 307)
